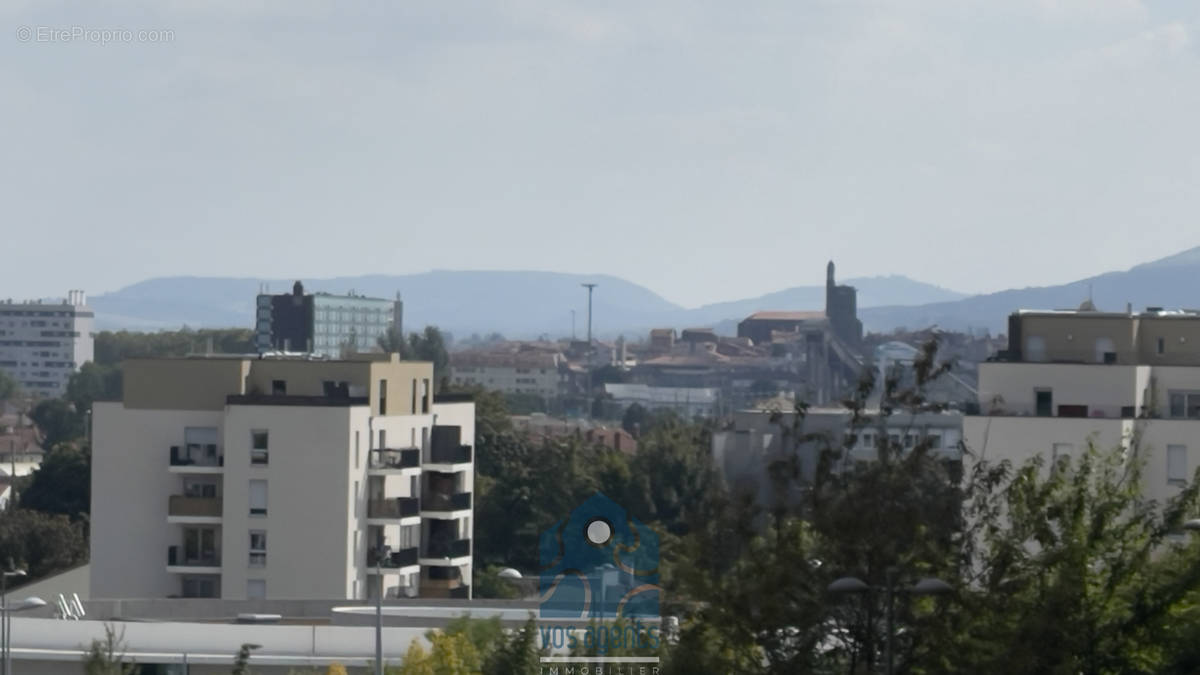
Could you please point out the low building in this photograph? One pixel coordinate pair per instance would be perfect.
(759, 437)
(42, 344)
(527, 372)
(542, 427)
(281, 478)
(687, 401)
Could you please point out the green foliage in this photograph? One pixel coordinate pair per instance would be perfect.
(107, 657)
(110, 348)
(634, 419)
(94, 382)
(241, 661)
(484, 635)
(519, 654)
(417, 661)
(487, 583)
(430, 345)
(58, 422)
(525, 404)
(61, 484)
(454, 654)
(41, 543)
(9, 388)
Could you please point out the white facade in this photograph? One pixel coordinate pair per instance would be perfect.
(687, 401)
(536, 374)
(43, 344)
(284, 496)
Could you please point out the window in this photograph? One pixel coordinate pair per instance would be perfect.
(383, 397)
(382, 439)
(1177, 465)
(258, 497)
(1184, 404)
(279, 387)
(1162, 345)
(258, 548)
(259, 441)
(356, 434)
(357, 510)
(256, 589)
(414, 397)
(1044, 402)
(935, 441)
(425, 396)
(908, 440)
(200, 546)
(200, 587)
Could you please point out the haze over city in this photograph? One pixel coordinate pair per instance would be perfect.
(973, 145)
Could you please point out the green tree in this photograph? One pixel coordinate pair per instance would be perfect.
(57, 422)
(61, 484)
(519, 654)
(93, 382)
(417, 661)
(484, 635)
(241, 661)
(43, 544)
(107, 656)
(393, 342)
(634, 419)
(454, 655)
(430, 345)
(9, 388)
(486, 582)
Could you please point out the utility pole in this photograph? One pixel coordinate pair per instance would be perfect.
(590, 288)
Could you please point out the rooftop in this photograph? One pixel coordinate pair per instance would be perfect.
(787, 316)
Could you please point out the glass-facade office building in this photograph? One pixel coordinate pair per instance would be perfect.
(322, 323)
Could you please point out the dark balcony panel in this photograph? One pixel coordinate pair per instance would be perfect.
(444, 436)
(405, 557)
(457, 454)
(178, 505)
(172, 554)
(396, 507)
(407, 458)
(448, 549)
(437, 501)
(462, 592)
(196, 455)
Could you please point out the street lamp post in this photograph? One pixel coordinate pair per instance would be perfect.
(926, 586)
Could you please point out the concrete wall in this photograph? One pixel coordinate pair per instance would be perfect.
(310, 505)
(1010, 387)
(131, 484)
(182, 384)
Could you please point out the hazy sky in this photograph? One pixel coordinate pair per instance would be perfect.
(706, 149)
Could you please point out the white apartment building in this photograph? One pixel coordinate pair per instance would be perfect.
(43, 344)
(757, 438)
(536, 373)
(1073, 377)
(281, 478)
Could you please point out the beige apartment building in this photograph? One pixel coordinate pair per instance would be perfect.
(1073, 377)
(281, 478)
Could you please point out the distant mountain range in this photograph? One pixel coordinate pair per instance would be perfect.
(528, 304)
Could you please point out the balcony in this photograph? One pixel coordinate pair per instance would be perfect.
(393, 459)
(453, 454)
(393, 508)
(194, 507)
(445, 549)
(405, 557)
(204, 559)
(437, 501)
(196, 458)
(1001, 409)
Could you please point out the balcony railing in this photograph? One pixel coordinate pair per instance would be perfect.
(437, 501)
(179, 505)
(405, 557)
(453, 454)
(204, 559)
(395, 507)
(457, 548)
(1000, 409)
(406, 458)
(196, 455)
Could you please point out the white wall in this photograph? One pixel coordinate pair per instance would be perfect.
(130, 489)
(309, 501)
(1104, 387)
